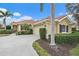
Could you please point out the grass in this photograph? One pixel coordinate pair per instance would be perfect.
(39, 50)
(75, 51)
(1, 35)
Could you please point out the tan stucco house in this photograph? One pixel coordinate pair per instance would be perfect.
(62, 25)
(16, 26)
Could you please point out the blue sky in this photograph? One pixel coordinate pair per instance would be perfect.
(32, 10)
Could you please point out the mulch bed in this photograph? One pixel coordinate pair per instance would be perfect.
(62, 50)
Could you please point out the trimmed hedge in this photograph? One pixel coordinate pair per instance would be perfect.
(39, 50)
(8, 27)
(73, 30)
(6, 31)
(42, 33)
(67, 38)
(25, 32)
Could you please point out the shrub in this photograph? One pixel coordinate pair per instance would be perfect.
(40, 50)
(18, 33)
(49, 38)
(8, 27)
(5, 31)
(73, 29)
(67, 39)
(31, 31)
(75, 51)
(24, 32)
(42, 33)
(25, 26)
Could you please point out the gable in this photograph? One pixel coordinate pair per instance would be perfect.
(65, 21)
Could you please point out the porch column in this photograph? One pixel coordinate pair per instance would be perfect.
(11, 26)
(77, 27)
(19, 27)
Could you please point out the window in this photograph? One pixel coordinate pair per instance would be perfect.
(66, 28)
(62, 28)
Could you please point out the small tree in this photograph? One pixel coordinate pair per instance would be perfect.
(8, 27)
(25, 27)
(42, 33)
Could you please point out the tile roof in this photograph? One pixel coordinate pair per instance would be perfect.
(29, 21)
(15, 23)
(59, 17)
(32, 21)
(24, 21)
(56, 18)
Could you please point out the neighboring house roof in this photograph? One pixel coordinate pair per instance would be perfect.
(24, 21)
(28, 21)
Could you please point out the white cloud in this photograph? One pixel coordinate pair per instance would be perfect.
(37, 19)
(26, 18)
(16, 14)
(15, 20)
(10, 19)
(60, 14)
(3, 9)
(21, 18)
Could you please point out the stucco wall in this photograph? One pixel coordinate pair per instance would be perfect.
(56, 27)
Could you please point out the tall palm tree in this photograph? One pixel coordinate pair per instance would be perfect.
(52, 11)
(4, 15)
(73, 9)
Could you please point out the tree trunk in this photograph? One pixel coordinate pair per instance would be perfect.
(52, 43)
(4, 22)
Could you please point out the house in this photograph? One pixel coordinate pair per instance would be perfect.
(16, 26)
(62, 25)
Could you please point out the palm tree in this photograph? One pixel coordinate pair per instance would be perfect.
(4, 15)
(52, 43)
(73, 8)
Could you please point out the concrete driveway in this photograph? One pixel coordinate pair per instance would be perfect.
(20, 45)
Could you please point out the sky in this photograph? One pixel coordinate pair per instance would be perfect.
(30, 11)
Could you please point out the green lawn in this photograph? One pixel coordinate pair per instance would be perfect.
(39, 50)
(1, 35)
(75, 51)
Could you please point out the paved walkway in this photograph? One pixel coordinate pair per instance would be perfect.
(20, 45)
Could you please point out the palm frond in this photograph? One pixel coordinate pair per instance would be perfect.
(1, 16)
(41, 6)
(8, 14)
(2, 12)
